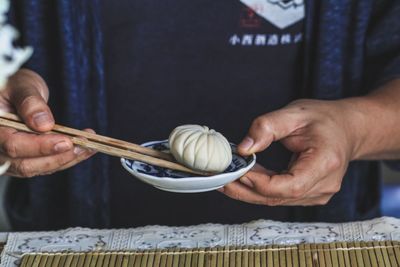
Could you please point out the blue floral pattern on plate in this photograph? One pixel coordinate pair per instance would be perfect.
(238, 162)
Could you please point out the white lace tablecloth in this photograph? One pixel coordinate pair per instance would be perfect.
(261, 232)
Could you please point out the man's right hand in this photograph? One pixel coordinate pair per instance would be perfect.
(26, 95)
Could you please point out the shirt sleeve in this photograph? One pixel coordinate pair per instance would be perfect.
(383, 44)
(383, 50)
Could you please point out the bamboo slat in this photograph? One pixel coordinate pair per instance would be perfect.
(353, 256)
(264, 258)
(327, 254)
(213, 257)
(372, 255)
(302, 256)
(238, 258)
(315, 258)
(321, 255)
(270, 258)
(282, 256)
(100, 260)
(392, 256)
(385, 252)
(365, 254)
(245, 257)
(378, 254)
(295, 257)
(275, 256)
(359, 257)
(309, 256)
(251, 257)
(397, 253)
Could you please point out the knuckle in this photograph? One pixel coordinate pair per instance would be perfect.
(62, 160)
(334, 162)
(262, 187)
(30, 100)
(10, 148)
(45, 147)
(260, 123)
(25, 169)
(298, 190)
(263, 190)
(236, 196)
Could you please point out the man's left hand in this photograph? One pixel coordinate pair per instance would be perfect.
(320, 134)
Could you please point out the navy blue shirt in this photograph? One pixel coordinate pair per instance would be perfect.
(350, 47)
(214, 63)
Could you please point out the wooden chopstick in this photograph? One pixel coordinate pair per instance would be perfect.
(102, 139)
(106, 145)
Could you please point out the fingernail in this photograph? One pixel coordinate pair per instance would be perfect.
(247, 143)
(62, 147)
(79, 150)
(221, 189)
(246, 181)
(41, 119)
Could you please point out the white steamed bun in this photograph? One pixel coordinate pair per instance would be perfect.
(200, 148)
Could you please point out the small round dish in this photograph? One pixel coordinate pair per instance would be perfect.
(174, 181)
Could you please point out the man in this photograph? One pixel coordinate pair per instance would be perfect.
(218, 63)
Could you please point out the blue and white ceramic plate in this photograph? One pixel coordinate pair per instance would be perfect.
(174, 181)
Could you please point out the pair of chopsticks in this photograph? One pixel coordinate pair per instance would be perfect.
(106, 145)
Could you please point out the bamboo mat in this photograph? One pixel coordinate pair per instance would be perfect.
(385, 253)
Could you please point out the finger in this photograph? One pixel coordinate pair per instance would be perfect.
(311, 167)
(259, 168)
(15, 144)
(269, 128)
(28, 95)
(30, 167)
(82, 156)
(85, 154)
(243, 193)
(258, 181)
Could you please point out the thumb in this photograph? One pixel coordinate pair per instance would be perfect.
(27, 93)
(268, 128)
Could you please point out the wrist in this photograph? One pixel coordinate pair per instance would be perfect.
(372, 123)
(356, 112)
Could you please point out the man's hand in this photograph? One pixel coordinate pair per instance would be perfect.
(316, 132)
(26, 94)
(324, 137)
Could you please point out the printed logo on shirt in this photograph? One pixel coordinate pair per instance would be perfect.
(280, 13)
(265, 39)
